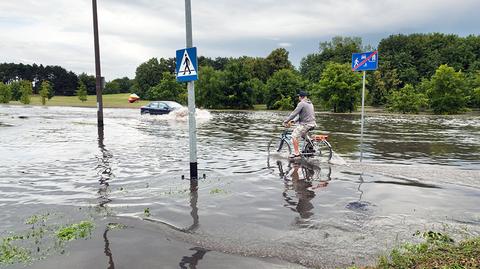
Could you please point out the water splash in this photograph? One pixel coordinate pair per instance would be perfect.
(181, 114)
(337, 159)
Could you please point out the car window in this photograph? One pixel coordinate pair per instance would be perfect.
(153, 105)
(173, 105)
(162, 106)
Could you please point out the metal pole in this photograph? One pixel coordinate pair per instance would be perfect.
(98, 76)
(363, 112)
(192, 126)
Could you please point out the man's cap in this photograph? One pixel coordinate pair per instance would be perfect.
(302, 93)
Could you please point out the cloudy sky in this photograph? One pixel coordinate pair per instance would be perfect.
(60, 32)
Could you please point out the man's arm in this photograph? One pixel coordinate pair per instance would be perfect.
(294, 113)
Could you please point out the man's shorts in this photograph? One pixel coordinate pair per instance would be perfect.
(301, 130)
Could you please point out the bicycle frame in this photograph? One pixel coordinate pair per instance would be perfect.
(309, 145)
(285, 138)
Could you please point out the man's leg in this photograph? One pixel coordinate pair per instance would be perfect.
(295, 146)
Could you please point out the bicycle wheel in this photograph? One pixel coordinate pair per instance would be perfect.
(281, 149)
(323, 149)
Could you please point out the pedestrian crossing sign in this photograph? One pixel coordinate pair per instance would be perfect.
(186, 67)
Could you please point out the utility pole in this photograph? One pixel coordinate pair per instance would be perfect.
(98, 76)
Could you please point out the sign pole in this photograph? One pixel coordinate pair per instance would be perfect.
(192, 127)
(362, 62)
(363, 112)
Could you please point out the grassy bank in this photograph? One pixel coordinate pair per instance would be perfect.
(109, 100)
(438, 251)
(121, 101)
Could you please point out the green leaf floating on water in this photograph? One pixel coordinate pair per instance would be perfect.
(75, 231)
(10, 254)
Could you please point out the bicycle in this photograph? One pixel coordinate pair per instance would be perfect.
(313, 146)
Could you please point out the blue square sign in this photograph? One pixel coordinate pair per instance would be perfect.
(365, 61)
(186, 67)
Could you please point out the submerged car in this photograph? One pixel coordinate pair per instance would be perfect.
(160, 107)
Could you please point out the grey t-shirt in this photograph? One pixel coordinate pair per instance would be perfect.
(305, 112)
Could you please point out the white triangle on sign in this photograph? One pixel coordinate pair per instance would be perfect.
(186, 66)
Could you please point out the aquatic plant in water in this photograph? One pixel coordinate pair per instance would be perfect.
(40, 240)
(146, 212)
(75, 231)
(217, 191)
(10, 254)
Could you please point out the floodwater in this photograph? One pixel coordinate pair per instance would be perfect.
(418, 173)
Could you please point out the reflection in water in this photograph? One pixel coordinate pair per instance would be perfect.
(107, 250)
(200, 252)
(303, 179)
(104, 171)
(358, 205)
(194, 212)
(192, 261)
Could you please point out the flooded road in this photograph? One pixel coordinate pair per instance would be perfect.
(418, 173)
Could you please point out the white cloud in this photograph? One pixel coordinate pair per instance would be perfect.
(284, 44)
(59, 32)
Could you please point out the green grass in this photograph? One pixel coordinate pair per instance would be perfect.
(109, 100)
(260, 107)
(438, 251)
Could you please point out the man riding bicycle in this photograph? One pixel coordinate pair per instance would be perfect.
(305, 121)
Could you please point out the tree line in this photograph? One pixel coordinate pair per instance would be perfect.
(417, 72)
(19, 81)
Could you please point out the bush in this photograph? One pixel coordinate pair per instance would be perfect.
(283, 104)
(407, 100)
(82, 92)
(340, 88)
(167, 89)
(447, 91)
(45, 91)
(5, 93)
(111, 87)
(26, 90)
(283, 84)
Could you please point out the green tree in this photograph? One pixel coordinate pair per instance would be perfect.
(124, 84)
(209, 88)
(277, 60)
(112, 87)
(45, 91)
(475, 97)
(338, 50)
(167, 89)
(5, 93)
(340, 88)
(238, 90)
(16, 90)
(474, 89)
(446, 91)
(383, 82)
(82, 91)
(407, 100)
(285, 103)
(259, 90)
(283, 85)
(90, 83)
(26, 90)
(149, 73)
